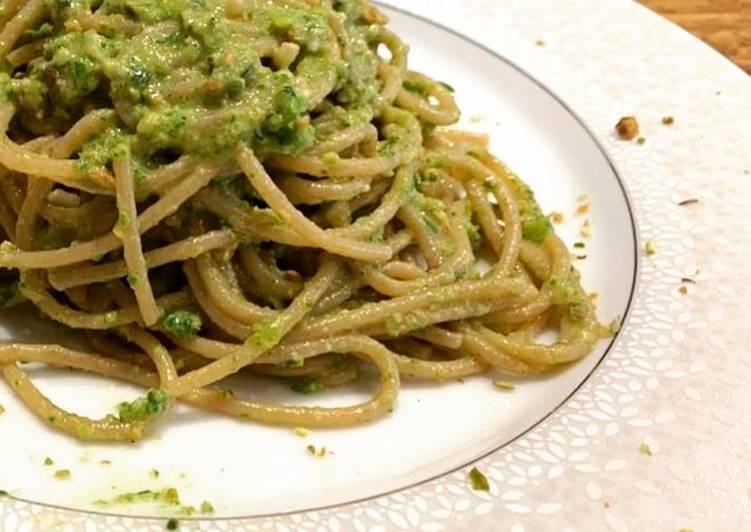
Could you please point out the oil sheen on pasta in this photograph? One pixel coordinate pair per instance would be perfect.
(210, 187)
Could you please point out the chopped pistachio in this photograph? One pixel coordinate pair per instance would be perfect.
(48, 461)
(62, 474)
(627, 128)
(505, 386)
(207, 508)
(650, 248)
(478, 481)
(645, 449)
(330, 158)
(317, 452)
(586, 230)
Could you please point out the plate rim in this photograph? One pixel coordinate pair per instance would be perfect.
(624, 321)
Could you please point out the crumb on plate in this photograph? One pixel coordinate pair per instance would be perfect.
(650, 248)
(478, 481)
(627, 128)
(504, 385)
(686, 202)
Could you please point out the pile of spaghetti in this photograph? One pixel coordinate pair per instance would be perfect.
(213, 187)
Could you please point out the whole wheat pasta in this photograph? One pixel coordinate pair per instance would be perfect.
(286, 202)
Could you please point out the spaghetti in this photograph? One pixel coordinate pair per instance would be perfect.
(213, 187)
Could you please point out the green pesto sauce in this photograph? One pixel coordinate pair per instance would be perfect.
(266, 335)
(182, 324)
(196, 76)
(141, 409)
(564, 294)
(535, 225)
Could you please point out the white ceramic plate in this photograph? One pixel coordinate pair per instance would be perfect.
(583, 462)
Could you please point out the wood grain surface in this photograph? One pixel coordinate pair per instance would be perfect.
(724, 24)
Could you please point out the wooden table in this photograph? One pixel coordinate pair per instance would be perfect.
(725, 24)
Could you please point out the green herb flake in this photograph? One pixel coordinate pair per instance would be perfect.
(154, 473)
(478, 481)
(48, 461)
(182, 324)
(579, 245)
(62, 474)
(173, 524)
(4, 493)
(645, 449)
(504, 385)
(155, 402)
(207, 508)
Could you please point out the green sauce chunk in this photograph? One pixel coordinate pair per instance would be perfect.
(182, 324)
(141, 409)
